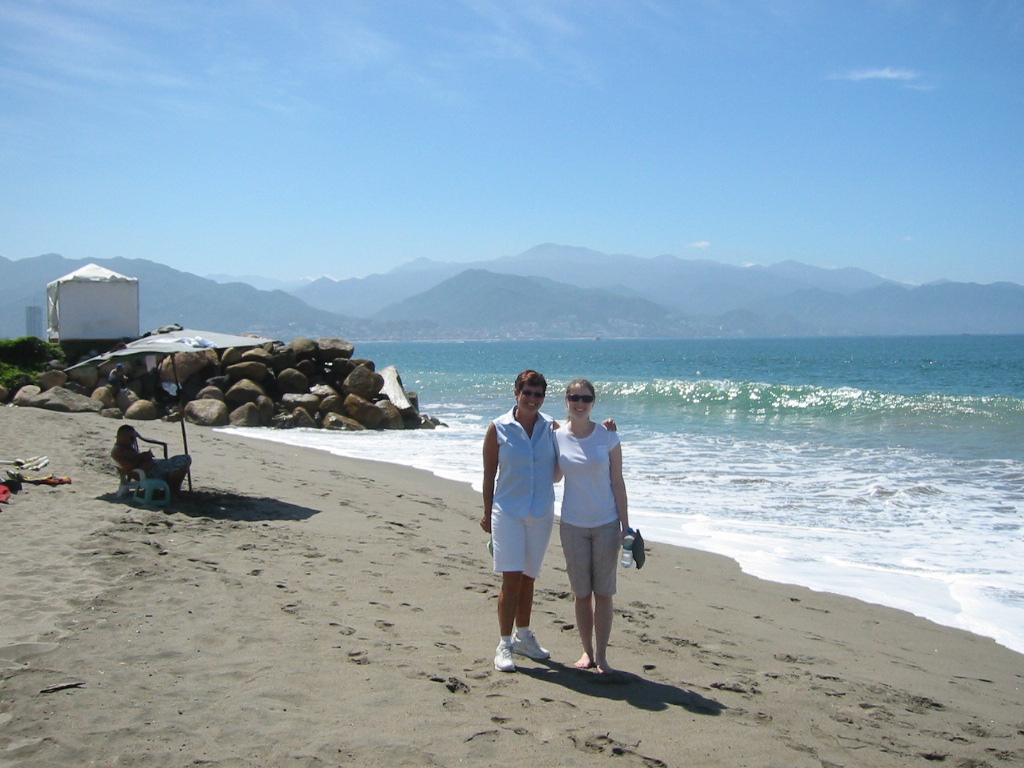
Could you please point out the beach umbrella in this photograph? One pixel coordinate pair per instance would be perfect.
(170, 343)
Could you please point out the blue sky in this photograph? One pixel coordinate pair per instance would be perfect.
(294, 139)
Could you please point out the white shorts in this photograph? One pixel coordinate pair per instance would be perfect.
(520, 543)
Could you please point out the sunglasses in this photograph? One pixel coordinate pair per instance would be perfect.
(580, 398)
(538, 393)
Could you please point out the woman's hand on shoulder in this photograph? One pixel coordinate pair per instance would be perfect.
(610, 425)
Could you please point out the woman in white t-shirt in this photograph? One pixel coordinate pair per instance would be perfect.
(594, 519)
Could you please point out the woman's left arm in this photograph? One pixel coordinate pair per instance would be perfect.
(619, 487)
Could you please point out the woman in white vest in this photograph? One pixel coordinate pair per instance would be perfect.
(519, 511)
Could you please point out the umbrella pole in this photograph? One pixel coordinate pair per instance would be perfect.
(181, 406)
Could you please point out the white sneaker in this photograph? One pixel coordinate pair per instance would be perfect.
(503, 658)
(525, 644)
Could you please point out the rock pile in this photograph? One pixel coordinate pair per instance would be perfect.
(307, 383)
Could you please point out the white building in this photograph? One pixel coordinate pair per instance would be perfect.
(92, 303)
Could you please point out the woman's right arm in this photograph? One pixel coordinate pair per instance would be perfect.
(490, 473)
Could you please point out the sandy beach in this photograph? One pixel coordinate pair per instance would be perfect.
(297, 609)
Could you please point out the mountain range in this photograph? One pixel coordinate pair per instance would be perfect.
(550, 291)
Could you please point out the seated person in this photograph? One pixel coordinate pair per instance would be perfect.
(118, 378)
(128, 456)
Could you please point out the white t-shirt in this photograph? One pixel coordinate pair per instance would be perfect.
(587, 500)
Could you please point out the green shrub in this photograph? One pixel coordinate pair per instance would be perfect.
(21, 359)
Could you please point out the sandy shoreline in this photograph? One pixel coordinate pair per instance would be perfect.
(302, 609)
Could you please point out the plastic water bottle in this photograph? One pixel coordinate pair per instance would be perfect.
(627, 549)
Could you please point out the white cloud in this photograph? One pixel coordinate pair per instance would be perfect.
(909, 78)
(700, 244)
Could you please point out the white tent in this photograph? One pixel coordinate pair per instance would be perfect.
(92, 303)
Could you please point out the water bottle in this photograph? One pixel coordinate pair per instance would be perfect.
(627, 549)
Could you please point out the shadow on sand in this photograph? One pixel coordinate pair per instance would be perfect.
(228, 505)
(640, 692)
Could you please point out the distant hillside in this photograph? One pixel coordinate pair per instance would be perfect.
(478, 303)
(696, 287)
(549, 292)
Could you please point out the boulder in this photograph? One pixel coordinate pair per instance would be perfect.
(340, 422)
(304, 349)
(292, 380)
(266, 407)
(363, 411)
(283, 359)
(60, 399)
(87, 376)
(244, 391)
(211, 392)
(302, 419)
(308, 368)
(294, 400)
(245, 415)
(25, 394)
(394, 391)
(258, 355)
(207, 413)
(187, 364)
(106, 396)
(391, 417)
(282, 421)
(124, 399)
(142, 410)
(112, 413)
(332, 404)
(248, 369)
(50, 379)
(230, 357)
(329, 350)
(363, 382)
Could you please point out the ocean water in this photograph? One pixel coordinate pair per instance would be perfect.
(886, 469)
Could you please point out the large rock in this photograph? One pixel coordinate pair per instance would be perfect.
(88, 376)
(294, 400)
(394, 390)
(25, 394)
(246, 415)
(142, 410)
(363, 382)
(125, 398)
(363, 411)
(292, 380)
(106, 396)
(267, 408)
(285, 358)
(207, 413)
(340, 422)
(211, 392)
(303, 348)
(50, 379)
(331, 349)
(258, 355)
(391, 417)
(187, 363)
(244, 391)
(302, 419)
(247, 369)
(230, 356)
(332, 404)
(60, 399)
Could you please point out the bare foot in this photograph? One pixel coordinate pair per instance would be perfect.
(584, 662)
(603, 668)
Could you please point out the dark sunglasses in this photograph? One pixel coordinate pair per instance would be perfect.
(538, 393)
(580, 398)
